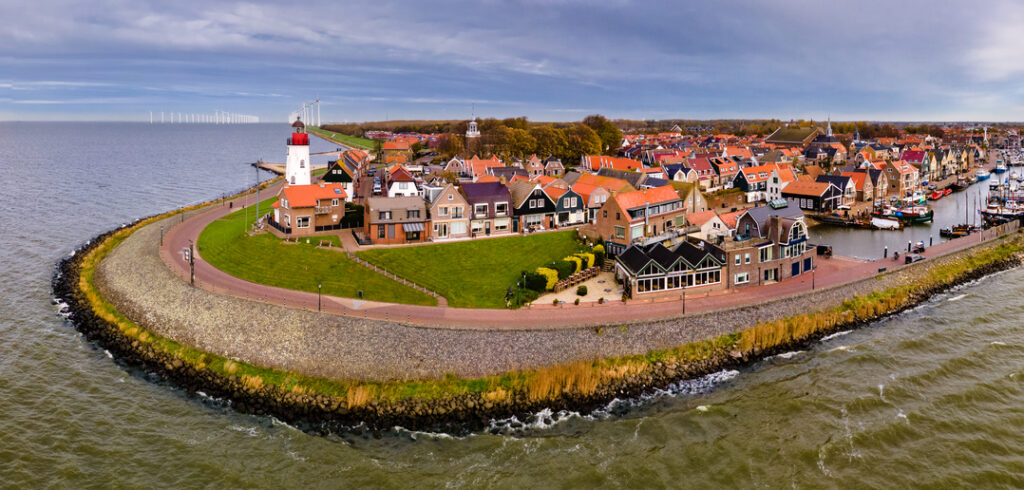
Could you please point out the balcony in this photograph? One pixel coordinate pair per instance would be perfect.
(323, 210)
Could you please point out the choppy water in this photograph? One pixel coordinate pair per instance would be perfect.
(932, 397)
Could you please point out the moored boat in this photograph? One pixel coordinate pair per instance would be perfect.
(907, 214)
(1000, 168)
(885, 224)
(983, 174)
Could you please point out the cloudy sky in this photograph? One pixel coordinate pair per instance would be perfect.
(546, 59)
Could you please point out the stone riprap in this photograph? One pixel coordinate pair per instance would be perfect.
(135, 279)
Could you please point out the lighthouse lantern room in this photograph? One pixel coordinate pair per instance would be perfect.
(297, 162)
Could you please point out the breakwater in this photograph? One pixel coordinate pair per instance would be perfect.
(317, 403)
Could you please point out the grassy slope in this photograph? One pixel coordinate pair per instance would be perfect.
(354, 141)
(473, 274)
(266, 260)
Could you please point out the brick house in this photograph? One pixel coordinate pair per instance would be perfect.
(448, 213)
(303, 210)
(490, 208)
(770, 244)
(389, 220)
(655, 270)
(631, 216)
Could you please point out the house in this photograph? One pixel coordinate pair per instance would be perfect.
(398, 151)
(693, 200)
(507, 173)
(532, 208)
(902, 176)
(388, 220)
(546, 181)
(679, 172)
(534, 166)
(845, 185)
(726, 168)
(593, 198)
(770, 245)
(489, 204)
(813, 196)
(448, 213)
(764, 182)
(711, 226)
(879, 182)
(303, 210)
(597, 162)
(400, 182)
(339, 172)
(630, 216)
(865, 190)
(553, 167)
(792, 137)
(610, 183)
(570, 208)
(706, 176)
(653, 270)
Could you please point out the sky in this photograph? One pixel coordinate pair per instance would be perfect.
(549, 60)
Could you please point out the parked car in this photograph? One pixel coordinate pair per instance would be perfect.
(917, 248)
(911, 258)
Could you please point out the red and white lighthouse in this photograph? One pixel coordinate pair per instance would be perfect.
(297, 161)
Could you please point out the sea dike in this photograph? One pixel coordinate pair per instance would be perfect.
(463, 410)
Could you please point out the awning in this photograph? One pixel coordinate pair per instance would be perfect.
(413, 227)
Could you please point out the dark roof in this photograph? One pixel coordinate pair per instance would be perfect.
(484, 190)
(694, 254)
(571, 177)
(634, 259)
(663, 256)
(634, 178)
(654, 182)
(507, 172)
(836, 180)
(793, 135)
(762, 214)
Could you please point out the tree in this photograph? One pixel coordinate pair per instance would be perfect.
(516, 123)
(449, 145)
(522, 143)
(550, 141)
(608, 132)
(581, 140)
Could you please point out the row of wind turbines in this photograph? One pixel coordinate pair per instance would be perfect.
(306, 112)
(218, 117)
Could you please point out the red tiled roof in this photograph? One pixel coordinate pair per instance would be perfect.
(656, 195)
(858, 179)
(306, 196)
(806, 188)
(701, 217)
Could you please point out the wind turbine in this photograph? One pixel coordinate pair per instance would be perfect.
(318, 111)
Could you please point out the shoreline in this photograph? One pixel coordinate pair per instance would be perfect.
(320, 413)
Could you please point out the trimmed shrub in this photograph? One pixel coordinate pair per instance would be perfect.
(599, 255)
(537, 281)
(564, 268)
(588, 259)
(551, 276)
(577, 263)
(577, 302)
(581, 291)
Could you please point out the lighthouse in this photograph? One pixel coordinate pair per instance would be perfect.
(297, 160)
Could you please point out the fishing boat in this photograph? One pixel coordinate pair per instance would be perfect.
(885, 224)
(1000, 168)
(983, 174)
(939, 194)
(907, 214)
(958, 231)
(959, 185)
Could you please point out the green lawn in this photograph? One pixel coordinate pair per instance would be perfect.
(354, 141)
(265, 259)
(474, 274)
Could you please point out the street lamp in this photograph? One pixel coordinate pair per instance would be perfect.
(319, 286)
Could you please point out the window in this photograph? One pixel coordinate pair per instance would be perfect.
(605, 213)
(636, 232)
(458, 228)
(287, 220)
(501, 208)
(442, 211)
(746, 258)
(412, 214)
(384, 215)
(302, 164)
(742, 278)
(737, 259)
(620, 232)
(618, 215)
(302, 222)
(457, 212)
(533, 203)
(765, 253)
(479, 209)
(380, 231)
(334, 202)
(451, 197)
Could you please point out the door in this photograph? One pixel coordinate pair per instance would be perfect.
(796, 269)
(807, 264)
(487, 228)
(442, 230)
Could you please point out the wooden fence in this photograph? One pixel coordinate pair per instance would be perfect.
(577, 278)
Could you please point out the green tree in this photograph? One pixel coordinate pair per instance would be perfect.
(516, 123)
(522, 143)
(581, 140)
(550, 141)
(608, 132)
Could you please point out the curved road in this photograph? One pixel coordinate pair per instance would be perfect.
(830, 272)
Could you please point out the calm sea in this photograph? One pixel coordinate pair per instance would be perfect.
(931, 397)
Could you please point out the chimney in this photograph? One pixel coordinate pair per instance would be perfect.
(322, 185)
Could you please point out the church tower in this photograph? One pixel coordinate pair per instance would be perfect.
(297, 159)
(471, 130)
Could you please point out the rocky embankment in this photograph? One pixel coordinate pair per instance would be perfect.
(455, 411)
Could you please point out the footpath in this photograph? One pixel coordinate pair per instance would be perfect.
(828, 273)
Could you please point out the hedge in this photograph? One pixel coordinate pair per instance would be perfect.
(577, 263)
(588, 259)
(551, 275)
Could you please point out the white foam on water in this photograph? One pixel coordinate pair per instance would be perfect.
(250, 431)
(903, 416)
(996, 342)
(956, 298)
(787, 355)
(107, 352)
(881, 392)
(835, 335)
(843, 348)
(702, 408)
(415, 434)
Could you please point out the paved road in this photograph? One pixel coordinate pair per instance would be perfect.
(829, 272)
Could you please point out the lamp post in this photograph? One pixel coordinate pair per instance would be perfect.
(319, 286)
